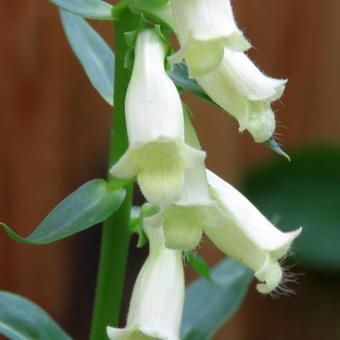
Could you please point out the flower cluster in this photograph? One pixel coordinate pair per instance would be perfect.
(213, 48)
(170, 166)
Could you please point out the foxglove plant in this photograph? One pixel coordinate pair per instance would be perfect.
(154, 142)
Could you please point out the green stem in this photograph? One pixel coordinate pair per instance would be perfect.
(116, 235)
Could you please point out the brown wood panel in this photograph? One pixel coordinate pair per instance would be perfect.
(54, 131)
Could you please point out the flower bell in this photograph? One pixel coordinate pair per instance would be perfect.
(157, 153)
(156, 305)
(204, 28)
(248, 236)
(241, 89)
(184, 220)
(213, 47)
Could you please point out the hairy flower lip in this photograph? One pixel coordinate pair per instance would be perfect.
(248, 236)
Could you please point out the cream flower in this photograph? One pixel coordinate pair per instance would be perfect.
(183, 221)
(157, 153)
(157, 300)
(204, 28)
(242, 90)
(248, 236)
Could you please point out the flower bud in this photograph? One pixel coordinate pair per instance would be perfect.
(248, 236)
(157, 153)
(242, 90)
(156, 305)
(204, 28)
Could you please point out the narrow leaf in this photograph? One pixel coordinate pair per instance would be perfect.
(209, 304)
(90, 204)
(20, 319)
(92, 51)
(91, 9)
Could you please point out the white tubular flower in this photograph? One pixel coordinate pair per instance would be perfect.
(157, 153)
(241, 89)
(183, 222)
(157, 300)
(204, 28)
(248, 236)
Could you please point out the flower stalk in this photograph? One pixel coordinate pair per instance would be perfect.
(116, 234)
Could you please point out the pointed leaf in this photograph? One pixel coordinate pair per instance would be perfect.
(209, 304)
(90, 204)
(20, 319)
(92, 51)
(91, 9)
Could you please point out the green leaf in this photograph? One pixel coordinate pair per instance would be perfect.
(20, 319)
(209, 304)
(91, 9)
(198, 264)
(303, 193)
(92, 51)
(180, 76)
(90, 204)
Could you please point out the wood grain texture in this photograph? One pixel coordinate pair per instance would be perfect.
(54, 136)
(54, 131)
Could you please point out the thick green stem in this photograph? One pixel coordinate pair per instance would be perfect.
(116, 235)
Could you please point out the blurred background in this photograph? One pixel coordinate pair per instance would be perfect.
(54, 132)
